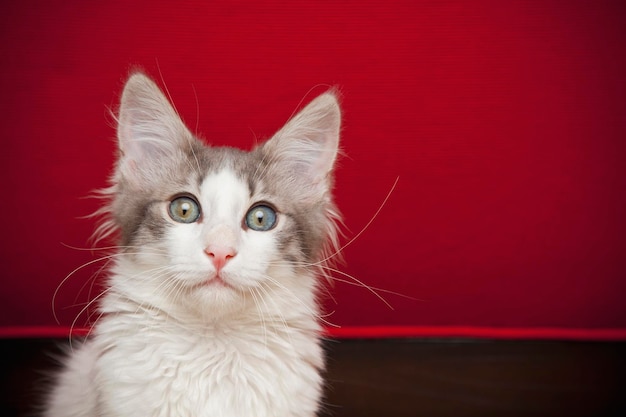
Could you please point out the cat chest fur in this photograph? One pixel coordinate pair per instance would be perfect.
(222, 371)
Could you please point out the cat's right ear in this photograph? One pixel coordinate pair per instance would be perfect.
(149, 130)
(307, 146)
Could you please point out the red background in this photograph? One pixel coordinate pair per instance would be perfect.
(504, 121)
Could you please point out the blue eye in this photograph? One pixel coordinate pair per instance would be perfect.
(261, 218)
(184, 210)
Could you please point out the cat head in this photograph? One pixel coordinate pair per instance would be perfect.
(212, 226)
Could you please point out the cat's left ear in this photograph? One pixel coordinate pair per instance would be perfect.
(307, 145)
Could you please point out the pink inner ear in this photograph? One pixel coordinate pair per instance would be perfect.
(325, 159)
(128, 147)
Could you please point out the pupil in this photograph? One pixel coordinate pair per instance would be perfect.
(259, 217)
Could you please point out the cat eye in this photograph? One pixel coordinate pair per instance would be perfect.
(261, 218)
(184, 210)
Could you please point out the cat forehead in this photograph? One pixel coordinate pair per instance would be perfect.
(245, 167)
(213, 160)
(224, 192)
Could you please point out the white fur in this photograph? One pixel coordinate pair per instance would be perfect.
(173, 350)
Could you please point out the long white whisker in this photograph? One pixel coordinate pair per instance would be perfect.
(91, 302)
(68, 276)
(92, 280)
(83, 266)
(109, 288)
(257, 305)
(291, 294)
(277, 312)
(355, 281)
(362, 284)
(338, 251)
(358, 283)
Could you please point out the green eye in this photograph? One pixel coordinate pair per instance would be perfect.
(261, 218)
(184, 210)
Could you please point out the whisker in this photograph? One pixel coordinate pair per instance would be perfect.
(68, 276)
(263, 166)
(112, 248)
(81, 267)
(355, 281)
(92, 280)
(277, 311)
(367, 225)
(358, 283)
(255, 298)
(91, 302)
(291, 294)
(361, 284)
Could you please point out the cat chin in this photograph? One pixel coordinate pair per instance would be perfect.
(212, 299)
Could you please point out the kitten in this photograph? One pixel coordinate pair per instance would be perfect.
(210, 308)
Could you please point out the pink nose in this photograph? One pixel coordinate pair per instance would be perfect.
(219, 255)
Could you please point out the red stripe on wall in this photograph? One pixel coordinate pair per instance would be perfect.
(499, 333)
(387, 332)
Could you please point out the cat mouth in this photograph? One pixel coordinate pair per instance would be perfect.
(215, 281)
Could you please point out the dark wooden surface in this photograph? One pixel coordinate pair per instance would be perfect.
(463, 378)
(415, 378)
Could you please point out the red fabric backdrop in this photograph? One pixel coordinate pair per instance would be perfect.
(504, 121)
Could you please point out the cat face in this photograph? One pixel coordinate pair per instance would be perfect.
(208, 226)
